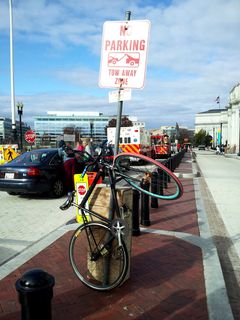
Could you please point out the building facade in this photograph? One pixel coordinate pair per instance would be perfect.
(5, 129)
(6, 134)
(233, 116)
(50, 128)
(223, 124)
(214, 122)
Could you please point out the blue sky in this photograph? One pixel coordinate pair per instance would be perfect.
(193, 57)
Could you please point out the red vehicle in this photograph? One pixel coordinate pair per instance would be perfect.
(132, 61)
(112, 60)
(161, 146)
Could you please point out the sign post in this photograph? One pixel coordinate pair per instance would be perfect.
(123, 59)
(123, 62)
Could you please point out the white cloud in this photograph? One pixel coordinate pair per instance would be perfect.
(193, 56)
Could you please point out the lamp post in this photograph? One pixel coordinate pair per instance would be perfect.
(221, 134)
(20, 112)
(14, 131)
(91, 129)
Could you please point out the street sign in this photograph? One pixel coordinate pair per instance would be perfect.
(124, 54)
(30, 136)
(120, 95)
(10, 154)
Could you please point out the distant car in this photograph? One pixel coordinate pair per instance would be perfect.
(201, 147)
(37, 171)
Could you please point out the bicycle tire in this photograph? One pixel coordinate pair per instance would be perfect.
(109, 269)
(137, 169)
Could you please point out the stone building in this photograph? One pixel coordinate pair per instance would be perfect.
(223, 124)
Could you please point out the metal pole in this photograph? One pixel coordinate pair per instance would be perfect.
(21, 140)
(221, 134)
(91, 130)
(239, 133)
(14, 131)
(120, 106)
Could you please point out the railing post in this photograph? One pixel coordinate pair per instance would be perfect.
(135, 213)
(160, 182)
(154, 188)
(35, 292)
(145, 204)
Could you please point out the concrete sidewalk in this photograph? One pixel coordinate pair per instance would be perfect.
(175, 271)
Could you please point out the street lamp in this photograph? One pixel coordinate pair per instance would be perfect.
(14, 131)
(91, 129)
(20, 112)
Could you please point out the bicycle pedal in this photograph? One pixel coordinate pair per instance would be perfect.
(118, 225)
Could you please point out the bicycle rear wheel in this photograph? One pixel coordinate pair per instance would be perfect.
(96, 258)
(139, 171)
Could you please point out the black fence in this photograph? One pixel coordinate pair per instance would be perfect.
(159, 180)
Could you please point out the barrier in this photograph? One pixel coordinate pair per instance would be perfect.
(159, 182)
(145, 204)
(135, 213)
(35, 292)
(154, 187)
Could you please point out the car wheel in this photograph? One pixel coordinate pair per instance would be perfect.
(57, 189)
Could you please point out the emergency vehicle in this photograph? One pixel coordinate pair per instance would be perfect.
(133, 139)
(8, 152)
(161, 146)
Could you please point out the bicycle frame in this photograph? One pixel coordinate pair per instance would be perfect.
(114, 207)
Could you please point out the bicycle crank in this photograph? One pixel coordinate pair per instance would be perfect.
(119, 229)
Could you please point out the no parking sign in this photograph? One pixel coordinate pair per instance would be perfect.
(124, 54)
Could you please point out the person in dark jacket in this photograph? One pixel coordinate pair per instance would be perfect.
(72, 166)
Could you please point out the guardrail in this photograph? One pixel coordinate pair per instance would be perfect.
(171, 163)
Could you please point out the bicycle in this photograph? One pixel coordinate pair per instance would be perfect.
(97, 249)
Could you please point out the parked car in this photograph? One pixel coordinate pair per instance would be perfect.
(37, 171)
(201, 147)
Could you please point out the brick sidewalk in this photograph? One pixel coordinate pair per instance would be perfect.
(167, 280)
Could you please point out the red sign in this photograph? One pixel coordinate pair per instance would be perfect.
(30, 136)
(82, 189)
(124, 54)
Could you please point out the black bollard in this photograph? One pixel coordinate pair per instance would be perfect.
(35, 292)
(145, 204)
(154, 188)
(135, 213)
(160, 182)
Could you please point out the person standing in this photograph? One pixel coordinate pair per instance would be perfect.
(88, 146)
(71, 167)
(80, 146)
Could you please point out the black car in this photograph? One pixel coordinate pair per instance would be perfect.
(37, 171)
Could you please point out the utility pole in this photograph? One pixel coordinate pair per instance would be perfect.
(14, 131)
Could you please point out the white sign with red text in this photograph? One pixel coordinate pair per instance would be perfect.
(124, 54)
(119, 95)
(82, 189)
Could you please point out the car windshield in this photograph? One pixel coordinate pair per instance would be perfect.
(33, 157)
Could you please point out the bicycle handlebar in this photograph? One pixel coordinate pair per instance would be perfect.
(67, 204)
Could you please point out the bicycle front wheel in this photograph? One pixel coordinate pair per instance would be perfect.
(96, 257)
(148, 176)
